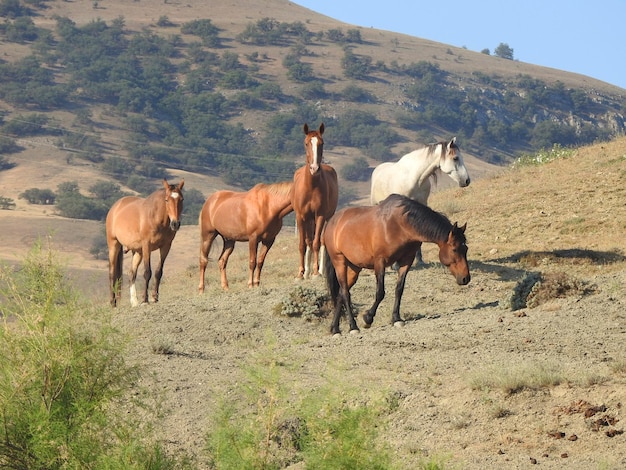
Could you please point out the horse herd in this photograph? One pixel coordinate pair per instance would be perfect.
(337, 244)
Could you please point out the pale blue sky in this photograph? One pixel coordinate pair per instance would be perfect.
(581, 36)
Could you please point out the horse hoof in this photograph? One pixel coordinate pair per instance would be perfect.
(337, 335)
(399, 324)
(355, 331)
(366, 325)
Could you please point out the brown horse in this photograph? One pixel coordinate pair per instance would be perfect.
(142, 226)
(255, 216)
(314, 200)
(375, 237)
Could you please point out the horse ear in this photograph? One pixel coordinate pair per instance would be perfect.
(321, 128)
(166, 184)
(452, 142)
(306, 128)
(182, 183)
(456, 226)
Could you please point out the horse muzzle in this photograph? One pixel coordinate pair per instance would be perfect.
(313, 168)
(174, 225)
(464, 182)
(463, 280)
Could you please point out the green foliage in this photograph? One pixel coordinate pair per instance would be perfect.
(555, 152)
(302, 302)
(194, 200)
(6, 203)
(356, 94)
(363, 130)
(38, 196)
(268, 31)
(504, 51)
(327, 429)
(27, 125)
(64, 380)
(71, 203)
(356, 66)
(359, 170)
(207, 31)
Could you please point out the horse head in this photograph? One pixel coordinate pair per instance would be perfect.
(314, 147)
(174, 203)
(453, 254)
(451, 163)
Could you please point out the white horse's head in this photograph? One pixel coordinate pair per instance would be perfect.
(451, 163)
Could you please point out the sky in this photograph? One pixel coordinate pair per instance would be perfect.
(581, 36)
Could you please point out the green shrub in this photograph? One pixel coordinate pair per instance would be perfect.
(332, 428)
(63, 379)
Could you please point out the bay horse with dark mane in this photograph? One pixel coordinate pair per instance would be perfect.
(411, 175)
(255, 216)
(375, 237)
(314, 199)
(142, 225)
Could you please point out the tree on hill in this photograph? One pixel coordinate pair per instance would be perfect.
(504, 51)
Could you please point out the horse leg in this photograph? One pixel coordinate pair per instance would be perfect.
(134, 266)
(402, 272)
(368, 318)
(205, 248)
(116, 257)
(301, 226)
(229, 246)
(316, 243)
(307, 261)
(265, 247)
(418, 256)
(253, 245)
(163, 252)
(344, 300)
(147, 272)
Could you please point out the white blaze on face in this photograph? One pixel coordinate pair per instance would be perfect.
(315, 164)
(175, 195)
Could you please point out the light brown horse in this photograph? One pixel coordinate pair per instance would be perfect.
(142, 226)
(314, 200)
(255, 216)
(375, 237)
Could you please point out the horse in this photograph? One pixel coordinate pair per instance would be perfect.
(314, 200)
(142, 225)
(410, 176)
(374, 237)
(255, 216)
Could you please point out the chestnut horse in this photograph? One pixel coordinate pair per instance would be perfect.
(142, 226)
(375, 237)
(255, 216)
(314, 200)
(410, 176)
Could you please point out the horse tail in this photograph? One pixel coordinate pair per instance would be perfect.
(331, 278)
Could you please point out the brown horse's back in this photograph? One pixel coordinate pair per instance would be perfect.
(222, 213)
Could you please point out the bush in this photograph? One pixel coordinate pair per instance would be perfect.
(359, 170)
(64, 380)
(328, 429)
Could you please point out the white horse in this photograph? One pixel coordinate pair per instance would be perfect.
(410, 176)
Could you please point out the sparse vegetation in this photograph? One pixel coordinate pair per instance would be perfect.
(510, 378)
(64, 379)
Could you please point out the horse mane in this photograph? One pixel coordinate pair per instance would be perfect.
(279, 189)
(423, 219)
(282, 188)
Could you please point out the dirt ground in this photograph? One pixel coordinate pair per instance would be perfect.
(564, 219)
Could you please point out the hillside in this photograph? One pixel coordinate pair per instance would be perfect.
(468, 381)
(88, 138)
